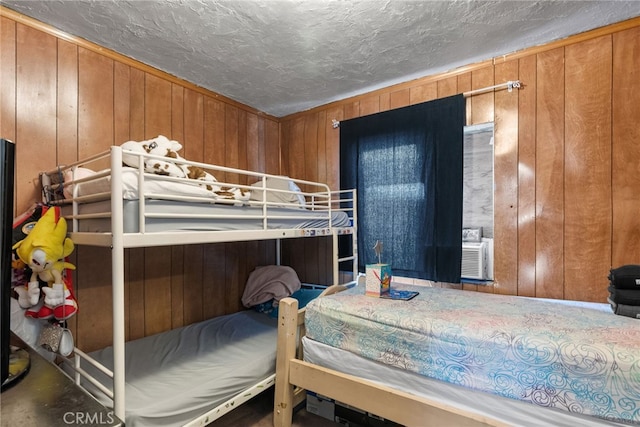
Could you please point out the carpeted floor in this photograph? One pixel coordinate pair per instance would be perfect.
(258, 412)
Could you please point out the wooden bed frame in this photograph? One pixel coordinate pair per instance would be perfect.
(294, 376)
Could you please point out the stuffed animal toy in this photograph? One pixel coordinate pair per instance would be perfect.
(163, 146)
(159, 146)
(44, 251)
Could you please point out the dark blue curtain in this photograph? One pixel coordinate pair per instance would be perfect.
(407, 167)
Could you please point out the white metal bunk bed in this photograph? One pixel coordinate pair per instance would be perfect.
(123, 207)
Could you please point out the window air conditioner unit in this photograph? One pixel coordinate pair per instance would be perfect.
(474, 261)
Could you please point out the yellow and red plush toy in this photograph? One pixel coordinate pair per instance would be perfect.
(44, 250)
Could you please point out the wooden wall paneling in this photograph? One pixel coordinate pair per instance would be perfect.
(332, 142)
(137, 106)
(625, 166)
(194, 293)
(95, 98)
(505, 183)
(67, 100)
(177, 286)
(255, 145)
(157, 289)
(295, 149)
(292, 255)
(215, 279)
(384, 101)
(8, 80)
(231, 141)
(157, 260)
(258, 250)
(95, 315)
(210, 129)
(197, 140)
(447, 87)
(241, 162)
(157, 107)
(527, 178)
(423, 93)
(322, 156)
(246, 264)
(177, 113)
(351, 110)
(482, 105)
(464, 85)
(550, 174)
(399, 98)
(370, 105)
(587, 179)
(310, 265)
(323, 260)
(121, 103)
(268, 253)
(310, 149)
(272, 149)
(36, 105)
(233, 283)
(286, 138)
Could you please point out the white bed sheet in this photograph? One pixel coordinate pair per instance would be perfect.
(510, 411)
(176, 376)
(220, 217)
(156, 184)
(28, 329)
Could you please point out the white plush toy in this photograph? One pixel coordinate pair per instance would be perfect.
(165, 147)
(159, 146)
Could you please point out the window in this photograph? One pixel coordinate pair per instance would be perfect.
(407, 167)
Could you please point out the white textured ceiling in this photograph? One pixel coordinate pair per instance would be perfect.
(286, 56)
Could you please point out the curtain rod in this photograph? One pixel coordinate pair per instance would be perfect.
(510, 85)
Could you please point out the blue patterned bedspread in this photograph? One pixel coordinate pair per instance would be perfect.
(576, 357)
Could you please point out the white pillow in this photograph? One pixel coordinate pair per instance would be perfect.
(280, 183)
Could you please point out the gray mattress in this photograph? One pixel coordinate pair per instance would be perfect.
(178, 375)
(244, 217)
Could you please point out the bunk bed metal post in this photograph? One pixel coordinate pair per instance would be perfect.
(348, 204)
(117, 271)
(354, 230)
(336, 257)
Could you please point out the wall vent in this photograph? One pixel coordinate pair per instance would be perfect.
(474, 261)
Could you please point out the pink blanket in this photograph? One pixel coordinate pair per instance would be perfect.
(271, 282)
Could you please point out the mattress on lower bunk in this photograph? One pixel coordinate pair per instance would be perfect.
(580, 358)
(228, 217)
(175, 376)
